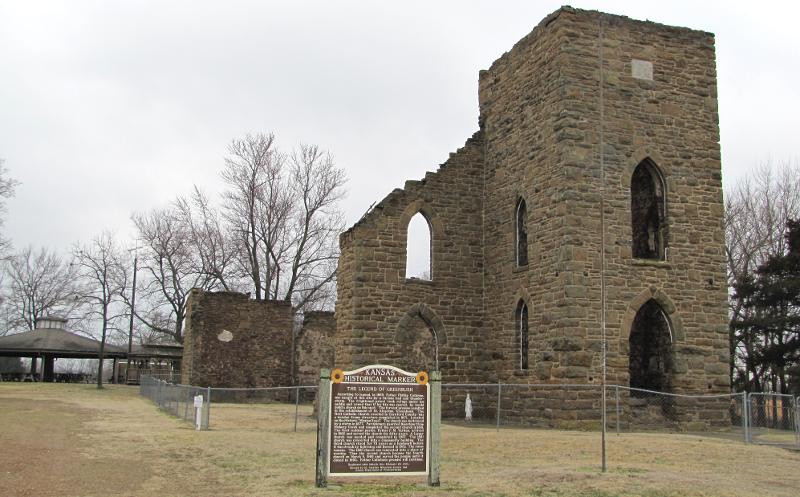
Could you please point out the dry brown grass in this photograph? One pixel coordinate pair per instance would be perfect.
(72, 440)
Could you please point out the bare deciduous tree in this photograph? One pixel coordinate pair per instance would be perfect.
(103, 278)
(7, 186)
(276, 232)
(756, 213)
(256, 206)
(284, 217)
(39, 283)
(318, 185)
(171, 270)
(211, 244)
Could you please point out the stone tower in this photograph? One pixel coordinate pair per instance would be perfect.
(594, 176)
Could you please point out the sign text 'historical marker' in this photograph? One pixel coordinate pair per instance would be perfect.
(377, 422)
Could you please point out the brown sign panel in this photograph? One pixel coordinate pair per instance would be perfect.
(379, 422)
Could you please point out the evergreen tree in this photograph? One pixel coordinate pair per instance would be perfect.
(771, 328)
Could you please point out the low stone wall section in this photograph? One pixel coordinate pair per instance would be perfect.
(233, 341)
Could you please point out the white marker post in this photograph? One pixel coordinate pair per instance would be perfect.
(198, 412)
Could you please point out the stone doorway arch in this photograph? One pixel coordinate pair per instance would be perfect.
(654, 329)
(651, 355)
(418, 339)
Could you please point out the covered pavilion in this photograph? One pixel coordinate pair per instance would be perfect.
(156, 359)
(50, 341)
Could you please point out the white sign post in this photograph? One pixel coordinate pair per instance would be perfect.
(198, 411)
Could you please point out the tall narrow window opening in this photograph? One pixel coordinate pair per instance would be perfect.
(648, 212)
(522, 233)
(418, 248)
(522, 334)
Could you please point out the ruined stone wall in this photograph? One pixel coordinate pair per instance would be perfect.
(545, 115)
(233, 341)
(376, 302)
(315, 349)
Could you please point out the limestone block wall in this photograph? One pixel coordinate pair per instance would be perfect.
(233, 341)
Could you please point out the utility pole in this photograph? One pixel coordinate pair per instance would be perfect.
(601, 40)
(133, 307)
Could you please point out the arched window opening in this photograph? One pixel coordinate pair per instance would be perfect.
(648, 212)
(521, 223)
(418, 248)
(650, 363)
(522, 334)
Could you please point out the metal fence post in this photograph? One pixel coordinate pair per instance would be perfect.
(208, 408)
(186, 403)
(499, 391)
(435, 389)
(323, 428)
(296, 405)
(797, 420)
(744, 415)
(616, 394)
(748, 435)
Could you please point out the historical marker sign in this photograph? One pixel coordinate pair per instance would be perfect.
(379, 422)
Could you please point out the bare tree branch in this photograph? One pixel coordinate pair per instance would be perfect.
(41, 283)
(285, 219)
(170, 267)
(7, 186)
(104, 278)
(207, 237)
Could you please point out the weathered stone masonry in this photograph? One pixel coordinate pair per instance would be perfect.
(544, 107)
(314, 349)
(233, 341)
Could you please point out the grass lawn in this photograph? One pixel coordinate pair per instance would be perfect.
(73, 440)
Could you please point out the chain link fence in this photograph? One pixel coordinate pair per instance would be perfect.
(293, 397)
(170, 376)
(580, 407)
(755, 418)
(177, 399)
(773, 418)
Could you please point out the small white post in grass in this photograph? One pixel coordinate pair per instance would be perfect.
(198, 412)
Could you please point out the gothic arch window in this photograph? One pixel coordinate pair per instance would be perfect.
(521, 230)
(521, 333)
(648, 212)
(650, 363)
(418, 248)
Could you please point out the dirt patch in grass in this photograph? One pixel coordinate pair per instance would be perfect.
(74, 440)
(47, 453)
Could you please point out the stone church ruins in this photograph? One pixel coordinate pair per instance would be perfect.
(594, 175)
(564, 160)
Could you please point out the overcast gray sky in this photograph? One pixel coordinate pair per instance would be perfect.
(110, 107)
